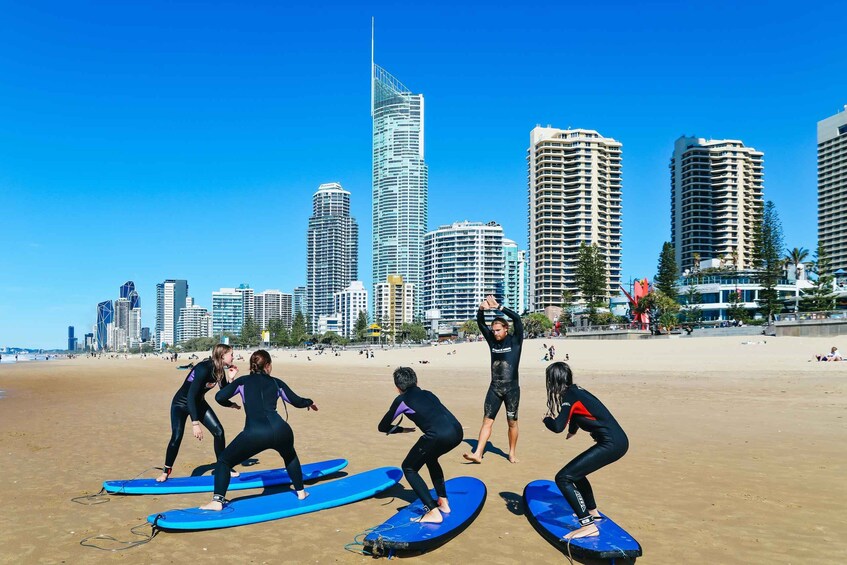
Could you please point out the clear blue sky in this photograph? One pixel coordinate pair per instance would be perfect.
(152, 140)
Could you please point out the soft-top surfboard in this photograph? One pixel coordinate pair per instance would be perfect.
(552, 516)
(466, 496)
(250, 510)
(206, 483)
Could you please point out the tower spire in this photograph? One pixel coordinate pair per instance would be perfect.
(372, 66)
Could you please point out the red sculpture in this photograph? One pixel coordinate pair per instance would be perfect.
(640, 289)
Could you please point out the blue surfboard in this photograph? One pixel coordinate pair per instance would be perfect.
(251, 510)
(400, 533)
(552, 516)
(206, 483)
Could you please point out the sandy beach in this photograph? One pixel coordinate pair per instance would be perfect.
(737, 452)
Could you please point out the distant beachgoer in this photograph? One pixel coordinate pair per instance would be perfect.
(573, 408)
(190, 400)
(833, 355)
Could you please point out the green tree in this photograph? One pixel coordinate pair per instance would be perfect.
(251, 333)
(279, 333)
(329, 338)
(536, 324)
(413, 332)
(361, 328)
(470, 327)
(667, 271)
(821, 296)
(566, 316)
(591, 274)
(796, 257)
(298, 330)
(661, 307)
(199, 344)
(768, 260)
(692, 311)
(736, 310)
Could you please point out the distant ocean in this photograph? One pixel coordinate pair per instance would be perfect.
(22, 357)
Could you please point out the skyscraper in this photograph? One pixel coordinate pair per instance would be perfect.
(332, 261)
(574, 197)
(170, 299)
(832, 188)
(194, 321)
(463, 264)
(349, 303)
(299, 303)
(272, 305)
(105, 322)
(399, 180)
(227, 311)
(393, 305)
(716, 200)
(71, 339)
(514, 276)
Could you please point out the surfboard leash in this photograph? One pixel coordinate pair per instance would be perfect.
(103, 496)
(87, 542)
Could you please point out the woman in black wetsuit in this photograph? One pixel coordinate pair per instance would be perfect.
(264, 428)
(442, 432)
(573, 407)
(190, 400)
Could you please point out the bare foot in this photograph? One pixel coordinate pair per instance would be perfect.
(443, 506)
(233, 473)
(513, 458)
(583, 532)
(472, 457)
(302, 494)
(214, 505)
(162, 478)
(432, 517)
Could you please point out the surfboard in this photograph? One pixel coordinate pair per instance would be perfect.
(552, 516)
(206, 483)
(251, 510)
(400, 533)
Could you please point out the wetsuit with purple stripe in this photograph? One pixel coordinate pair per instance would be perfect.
(442, 432)
(190, 400)
(264, 427)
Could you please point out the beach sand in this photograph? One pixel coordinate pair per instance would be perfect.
(737, 452)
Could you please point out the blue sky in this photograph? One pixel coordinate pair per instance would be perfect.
(145, 141)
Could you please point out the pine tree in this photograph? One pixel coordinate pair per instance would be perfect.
(591, 274)
(667, 271)
(767, 260)
(361, 325)
(821, 296)
(298, 329)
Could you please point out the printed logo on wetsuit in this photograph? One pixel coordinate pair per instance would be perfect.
(504, 350)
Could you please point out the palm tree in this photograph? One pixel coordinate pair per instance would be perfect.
(796, 257)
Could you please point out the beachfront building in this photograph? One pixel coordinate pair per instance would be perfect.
(247, 302)
(716, 201)
(832, 188)
(574, 197)
(394, 302)
(105, 324)
(194, 321)
(515, 280)
(227, 311)
(349, 303)
(463, 263)
(272, 305)
(329, 324)
(170, 299)
(400, 181)
(71, 339)
(299, 303)
(332, 258)
(121, 327)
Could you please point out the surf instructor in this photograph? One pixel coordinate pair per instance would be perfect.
(504, 387)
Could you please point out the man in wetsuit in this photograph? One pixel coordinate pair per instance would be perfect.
(442, 432)
(504, 388)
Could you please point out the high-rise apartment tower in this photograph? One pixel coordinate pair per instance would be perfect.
(832, 188)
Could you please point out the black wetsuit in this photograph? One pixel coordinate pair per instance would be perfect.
(264, 427)
(190, 400)
(442, 432)
(581, 409)
(505, 360)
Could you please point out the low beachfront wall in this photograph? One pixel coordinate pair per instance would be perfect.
(609, 334)
(812, 328)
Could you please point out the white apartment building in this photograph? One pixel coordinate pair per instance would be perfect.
(463, 263)
(394, 305)
(348, 304)
(574, 197)
(832, 188)
(272, 305)
(717, 190)
(194, 321)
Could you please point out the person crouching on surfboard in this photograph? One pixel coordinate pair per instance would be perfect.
(264, 428)
(572, 407)
(442, 432)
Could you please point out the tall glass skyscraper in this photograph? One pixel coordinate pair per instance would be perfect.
(400, 181)
(332, 260)
(170, 299)
(105, 318)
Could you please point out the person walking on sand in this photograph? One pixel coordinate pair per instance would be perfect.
(572, 407)
(504, 387)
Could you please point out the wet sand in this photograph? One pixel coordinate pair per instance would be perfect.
(737, 452)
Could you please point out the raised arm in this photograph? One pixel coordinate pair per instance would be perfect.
(517, 323)
(290, 397)
(483, 327)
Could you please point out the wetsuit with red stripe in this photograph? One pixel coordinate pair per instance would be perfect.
(582, 410)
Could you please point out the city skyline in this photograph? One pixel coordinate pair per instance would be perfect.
(203, 122)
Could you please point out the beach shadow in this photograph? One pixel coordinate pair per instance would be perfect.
(514, 502)
(404, 496)
(210, 467)
(489, 448)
